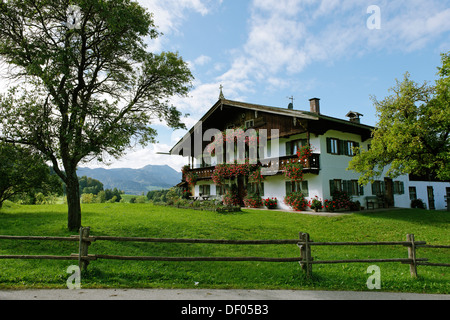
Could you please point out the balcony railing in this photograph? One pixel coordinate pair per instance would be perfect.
(311, 166)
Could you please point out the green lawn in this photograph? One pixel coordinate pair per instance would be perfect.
(146, 220)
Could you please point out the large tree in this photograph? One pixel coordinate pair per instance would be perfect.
(88, 85)
(412, 134)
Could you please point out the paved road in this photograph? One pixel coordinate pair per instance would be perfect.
(205, 294)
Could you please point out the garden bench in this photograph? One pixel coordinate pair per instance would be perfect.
(371, 201)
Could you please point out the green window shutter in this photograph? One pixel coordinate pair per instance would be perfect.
(342, 147)
(402, 187)
(374, 191)
(328, 145)
(331, 187)
(396, 189)
(361, 190)
(261, 189)
(356, 145)
(288, 148)
(305, 189)
(288, 188)
(304, 142)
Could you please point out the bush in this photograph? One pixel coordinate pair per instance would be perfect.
(296, 201)
(270, 203)
(253, 200)
(141, 199)
(417, 203)
(133, 200)
(230, 198)
(87, 198)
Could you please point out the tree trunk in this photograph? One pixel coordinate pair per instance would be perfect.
(73, 202)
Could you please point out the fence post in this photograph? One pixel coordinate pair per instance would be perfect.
(305, 254)
(83, 262)
(412, 255)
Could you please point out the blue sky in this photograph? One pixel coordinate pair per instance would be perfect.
(263, 51)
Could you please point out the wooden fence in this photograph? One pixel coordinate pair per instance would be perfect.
(304, 243)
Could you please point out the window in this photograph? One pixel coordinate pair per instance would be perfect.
(292, 186)
(412, 193)
(249, 123)
(399, 187)
(204, 190)
(335, 185)
(341, 147)
(351, 187)
(378, 188)
(349, 148)
(356, 189)
(257, 188)
(293, 146)
(333, 146)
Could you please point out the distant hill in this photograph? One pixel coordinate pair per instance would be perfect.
(134, 181)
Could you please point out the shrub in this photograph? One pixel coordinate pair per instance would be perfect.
(417, 203)
(270, 203)
(253, 200)
(296, 201)
(230, 198)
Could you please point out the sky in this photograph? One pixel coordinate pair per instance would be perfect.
(264, 51)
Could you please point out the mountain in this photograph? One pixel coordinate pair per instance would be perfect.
(134, 181)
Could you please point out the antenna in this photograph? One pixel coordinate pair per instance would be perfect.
(292, 99)
(291, 105)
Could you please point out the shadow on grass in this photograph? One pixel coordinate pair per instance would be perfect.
(420, 216)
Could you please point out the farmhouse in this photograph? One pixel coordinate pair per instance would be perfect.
(324, 171)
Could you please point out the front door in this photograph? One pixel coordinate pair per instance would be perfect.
(389, 192)
(430, 192)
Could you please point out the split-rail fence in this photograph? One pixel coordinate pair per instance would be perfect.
(304, 243)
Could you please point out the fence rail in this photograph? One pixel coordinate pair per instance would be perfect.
(304, 243)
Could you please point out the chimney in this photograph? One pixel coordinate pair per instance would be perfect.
(354, 117)
(315, 105)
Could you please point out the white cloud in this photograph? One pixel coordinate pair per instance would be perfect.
(169, 15)
(286, 36)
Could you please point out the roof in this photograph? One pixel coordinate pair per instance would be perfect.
(274, 110)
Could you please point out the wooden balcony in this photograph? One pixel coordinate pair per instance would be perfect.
(312, 166)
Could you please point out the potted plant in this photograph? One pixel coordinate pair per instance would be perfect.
(271, 203)
(316, 204)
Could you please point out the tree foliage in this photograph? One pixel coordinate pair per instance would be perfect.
(90, 185)
(412, 134)
(22, 171)
(87, 89)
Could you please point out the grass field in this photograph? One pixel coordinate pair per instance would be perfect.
(146, 220)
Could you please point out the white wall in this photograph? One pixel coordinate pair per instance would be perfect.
(439, 189)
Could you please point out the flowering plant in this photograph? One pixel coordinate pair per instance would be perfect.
(341, 200)
(228, 171)
(296, 201)
(256, 176)
(270, 203)
(294, 170)
(315, 203)
(253, 200)
(191, 178)
(231, 199)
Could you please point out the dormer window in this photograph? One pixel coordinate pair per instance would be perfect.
(249, 124)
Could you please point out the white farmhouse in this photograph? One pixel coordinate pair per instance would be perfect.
(332, 141)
